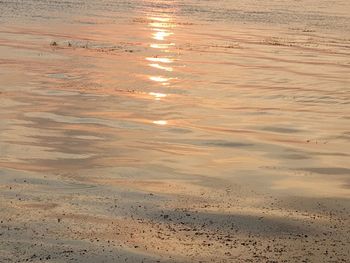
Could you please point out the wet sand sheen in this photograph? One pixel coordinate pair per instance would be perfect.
(174, 132)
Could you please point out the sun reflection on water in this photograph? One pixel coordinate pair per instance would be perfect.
(161, 32)
(159, 19)
(161, 46)
(161, 25)
(160, 122)
(161, 67)
(158, 95)
(160, 59)
(159, 79)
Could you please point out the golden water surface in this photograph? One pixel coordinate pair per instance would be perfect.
(164, 89)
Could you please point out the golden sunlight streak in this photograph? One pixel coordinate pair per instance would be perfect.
(162, 46)
(158, 95)
(159, 79)
(161, 60)
(161, 35)
(160, 67)
(160, 122)
(161, 25)
(160, 19)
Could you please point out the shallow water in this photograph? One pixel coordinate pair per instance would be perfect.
(178, 90)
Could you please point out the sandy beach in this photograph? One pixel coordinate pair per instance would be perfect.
(174, 131)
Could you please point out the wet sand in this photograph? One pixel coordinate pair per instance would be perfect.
(174, 131)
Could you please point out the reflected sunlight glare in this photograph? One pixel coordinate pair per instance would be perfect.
(160, 67)
(161, 60)
(159, 79)
(158, 95)
(161, 35)
(161, 46)
(161, 25)
(160, 122)
(159, 19)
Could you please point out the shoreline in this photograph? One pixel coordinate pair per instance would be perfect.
(173, 132)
